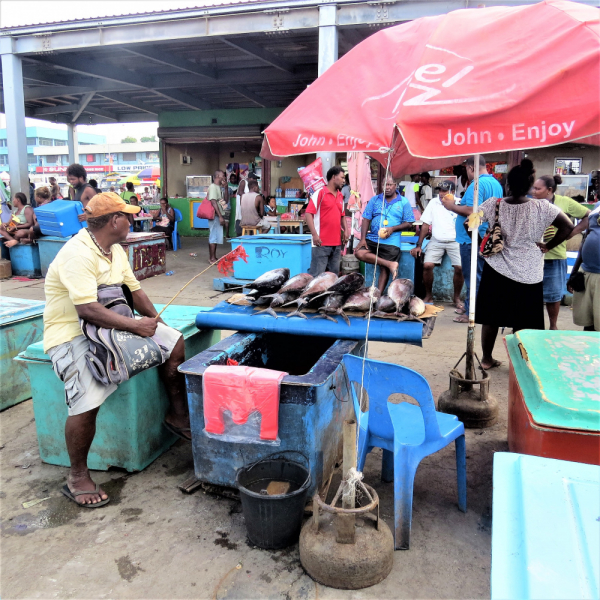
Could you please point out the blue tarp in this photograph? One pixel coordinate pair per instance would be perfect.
(239, 318)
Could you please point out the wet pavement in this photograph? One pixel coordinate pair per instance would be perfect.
(153, 541)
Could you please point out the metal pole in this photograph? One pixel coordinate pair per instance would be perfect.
(470, 363)
(16, 133)
(72, 143)
(328, 54)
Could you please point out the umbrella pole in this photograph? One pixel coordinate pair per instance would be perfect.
(470, 362)
(474, 408)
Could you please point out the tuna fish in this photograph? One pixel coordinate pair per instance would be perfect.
(297, 283)
(385, 304)
(333, 305)
(361, 300)
(270, 281)
(346, 284)
(416, 307)
(400, 291)
(277, 299)
(321, 283)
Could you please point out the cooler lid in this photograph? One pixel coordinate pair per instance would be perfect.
(182, 318)
(559, 375)
(280, 238)
(18, 309)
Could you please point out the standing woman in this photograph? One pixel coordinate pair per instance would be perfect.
(555, 261)
(511, 290)
(166, 220)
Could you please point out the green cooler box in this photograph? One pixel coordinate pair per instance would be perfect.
(21, 324)
(129, 433)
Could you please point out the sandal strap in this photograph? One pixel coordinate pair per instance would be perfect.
(83, 492)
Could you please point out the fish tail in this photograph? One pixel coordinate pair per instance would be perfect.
(345, 317)
(297, 313)
(266, 310)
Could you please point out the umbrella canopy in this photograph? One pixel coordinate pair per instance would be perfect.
(150, 173)
(133, 178)
(4, 176)
(440, 88)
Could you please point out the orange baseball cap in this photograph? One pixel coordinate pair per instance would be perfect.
(107, 203)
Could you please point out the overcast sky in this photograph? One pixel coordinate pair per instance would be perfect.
(33, 12)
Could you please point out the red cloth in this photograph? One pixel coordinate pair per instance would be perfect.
(452, 85)
(328, 220)
(241, 390)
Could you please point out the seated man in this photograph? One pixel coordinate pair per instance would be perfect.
(443, 241)
(384, 217)
(253, 208)
(89, 259)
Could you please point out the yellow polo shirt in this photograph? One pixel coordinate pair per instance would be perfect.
(73, 278)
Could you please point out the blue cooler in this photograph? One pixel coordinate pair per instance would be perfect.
(60, 218)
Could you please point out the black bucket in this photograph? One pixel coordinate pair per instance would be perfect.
(273, 521)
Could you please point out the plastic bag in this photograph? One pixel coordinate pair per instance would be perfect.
(312, 176)
(241, 404)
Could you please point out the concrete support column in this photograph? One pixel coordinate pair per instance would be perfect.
(72, 143)
(328, 54)
(14, 105)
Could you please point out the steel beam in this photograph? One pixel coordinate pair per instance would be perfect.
(328, 54)
(81, 106)
(257, 52)
(125, 100)
(250, 95)
(72, 143)
(185, 99)
(98, 85)
(89, 66)
(16, 134)
(172, 60)
(52, 110)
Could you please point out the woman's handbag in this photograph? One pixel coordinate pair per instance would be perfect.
(206, 210)
(492, 242)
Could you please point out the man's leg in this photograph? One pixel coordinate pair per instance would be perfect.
(318, 260)
(553, 309)
(488, 340)
(458, 282)
(79, 434)
(428, 281)
(178, 412)
(370, 257)
(334, 259)
(212, 253)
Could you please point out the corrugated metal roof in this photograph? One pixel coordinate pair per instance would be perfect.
(193, 6)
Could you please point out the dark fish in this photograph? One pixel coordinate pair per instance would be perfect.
(270, 281)
(276, 300)
(333, 305)
(400, 291)
(361, 300)
(347, 284)
(319, 284)
(385, 304)
(297, 283)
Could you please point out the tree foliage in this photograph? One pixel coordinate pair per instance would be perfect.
(148, 139)
(129, 140)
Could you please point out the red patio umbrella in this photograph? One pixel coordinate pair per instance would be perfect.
(425, 94)
(440, 88)
(149, 174)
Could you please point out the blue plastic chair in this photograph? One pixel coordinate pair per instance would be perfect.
(175, 237)
(406, 433)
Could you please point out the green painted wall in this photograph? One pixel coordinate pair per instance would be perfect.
(184, 227)
(237, 116)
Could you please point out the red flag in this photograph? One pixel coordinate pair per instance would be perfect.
(225, 264)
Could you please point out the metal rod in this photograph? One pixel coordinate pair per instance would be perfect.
(350, 457)
(470, 363)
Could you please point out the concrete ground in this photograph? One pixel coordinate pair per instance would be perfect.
(153, 541)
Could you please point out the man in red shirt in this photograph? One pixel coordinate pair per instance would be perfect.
(327, 225)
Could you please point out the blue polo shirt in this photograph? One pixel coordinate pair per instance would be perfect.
(395, 212)
(489, 187)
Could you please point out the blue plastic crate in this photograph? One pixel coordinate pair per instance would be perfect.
(60, 218)
(25, 260)
(49, 247)
(266, 252)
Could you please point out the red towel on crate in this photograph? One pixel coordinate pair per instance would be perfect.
(241, 390)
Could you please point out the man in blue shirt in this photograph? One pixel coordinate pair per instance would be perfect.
(489, 187)
(383, 218)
